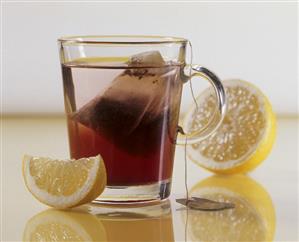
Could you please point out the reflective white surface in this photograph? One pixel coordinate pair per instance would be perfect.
(278, 175)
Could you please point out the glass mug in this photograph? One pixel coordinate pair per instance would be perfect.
(122, 100)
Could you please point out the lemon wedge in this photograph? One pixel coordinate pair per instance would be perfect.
(64, 183)
(246, 135)
(56, 225)
(252, 219)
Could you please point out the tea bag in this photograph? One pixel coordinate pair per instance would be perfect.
(132, 105)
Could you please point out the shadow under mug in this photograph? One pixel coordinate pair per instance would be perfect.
(122, 100)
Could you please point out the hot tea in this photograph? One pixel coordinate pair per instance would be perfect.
(126, 111)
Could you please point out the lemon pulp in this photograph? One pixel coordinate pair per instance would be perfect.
(246, 135)
(64, 183)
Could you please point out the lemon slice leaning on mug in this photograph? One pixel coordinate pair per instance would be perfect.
(246, 135)
(64, 183)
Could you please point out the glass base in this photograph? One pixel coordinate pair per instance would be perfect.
(135, 194)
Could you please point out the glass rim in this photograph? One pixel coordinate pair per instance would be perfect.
(120, 39)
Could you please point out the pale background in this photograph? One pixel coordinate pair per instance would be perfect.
(253, 41)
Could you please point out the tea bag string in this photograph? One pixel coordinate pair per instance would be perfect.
(185, 168)
(190, 75)
(196, 107)
(186, 187)
(186, 140)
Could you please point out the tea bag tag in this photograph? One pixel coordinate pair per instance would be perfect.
(204, 204)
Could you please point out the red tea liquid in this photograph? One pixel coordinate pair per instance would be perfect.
(131, 126)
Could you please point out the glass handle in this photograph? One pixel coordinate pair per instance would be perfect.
(215, 121)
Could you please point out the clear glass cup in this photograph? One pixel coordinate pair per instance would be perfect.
(122, 100)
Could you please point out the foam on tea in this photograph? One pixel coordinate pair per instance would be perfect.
(128, 113)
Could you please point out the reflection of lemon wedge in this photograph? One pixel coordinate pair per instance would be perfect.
(64, 183)
(55, 225)
(252, 219)
(246, 135)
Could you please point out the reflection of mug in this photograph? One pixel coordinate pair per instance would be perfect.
(122, 99)
(150, 223)
(139, 224)
(252, 219)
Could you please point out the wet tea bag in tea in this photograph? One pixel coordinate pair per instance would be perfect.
(133, 106)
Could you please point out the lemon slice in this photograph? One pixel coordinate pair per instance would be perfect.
(55, 225)
(246, 135)
(252, 219)
(64, 183)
